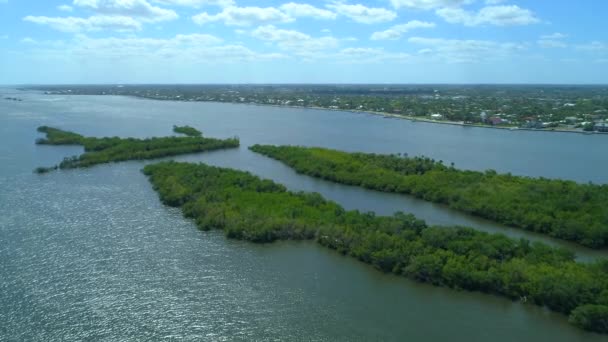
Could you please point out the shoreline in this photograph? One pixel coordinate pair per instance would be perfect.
(356, 111)
(414, 119)
(383, 114)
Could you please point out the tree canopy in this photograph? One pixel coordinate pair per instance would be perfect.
(249, 208)
(187, 130)
(559, 208)
(114, 149)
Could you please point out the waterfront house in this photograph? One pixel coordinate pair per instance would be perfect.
(495, 121)
(601, 127)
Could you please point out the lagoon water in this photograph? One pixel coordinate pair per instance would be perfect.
(93, 255)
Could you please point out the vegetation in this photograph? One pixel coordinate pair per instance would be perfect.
(562, 209)
(42, 169)
(114, 149)
(591, 317)
(247, 207)
(187, 130)
(528, 106)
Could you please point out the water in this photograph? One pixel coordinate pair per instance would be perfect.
(92, 254)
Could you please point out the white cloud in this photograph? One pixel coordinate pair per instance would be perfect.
(549, 43)
(466, 51)
(553, 40)
(297, 42)
(244, 16)
(305, 10)
(273, 34)
(197, 3)
(140, 9)
(65, 8)
(362, 14)
(397, 31)
(190, 48)
(555, 35)
(428, 4)
(28, 40)
(494, 15)
(594, 46)
(370, 55)
(93, 23)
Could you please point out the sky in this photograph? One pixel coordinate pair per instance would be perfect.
(306, 41)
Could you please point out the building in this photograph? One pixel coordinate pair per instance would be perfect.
(495, 121)
(601, 127)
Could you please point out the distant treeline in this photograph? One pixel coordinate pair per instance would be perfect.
(113, 149)
(249, 208)
(559, 208)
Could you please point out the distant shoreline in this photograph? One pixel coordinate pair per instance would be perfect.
(356, 111)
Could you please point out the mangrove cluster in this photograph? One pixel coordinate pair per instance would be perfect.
(562, 209)
(247, 207)
(187, 130)
(113, 149)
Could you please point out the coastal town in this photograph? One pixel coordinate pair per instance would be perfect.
(561, 108)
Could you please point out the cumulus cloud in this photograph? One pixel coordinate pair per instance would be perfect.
(428, 4)
(397, 31)
(93, 23)
(370, 55)
(547, 43)
(140, 9)
(297, 42)
(244, 16)
(555, 35)
(65, 8)
(305, 10)
(197, 3)
(463, 51)
(190, 48)
(362, 14)
(494, 15)
(594, 46)
(553, 40)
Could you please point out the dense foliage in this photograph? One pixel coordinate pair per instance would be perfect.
(187, 130)
(247, 207)
(113, 149)
(591, 317)
(562, 209)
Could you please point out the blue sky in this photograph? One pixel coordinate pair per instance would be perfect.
(308, 41)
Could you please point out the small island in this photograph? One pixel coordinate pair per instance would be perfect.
(114, 149)
(558, 208)
(187, 130)
(250, 208)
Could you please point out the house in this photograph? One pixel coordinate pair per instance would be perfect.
(601, 127)
(495, 121)
(436, 116)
